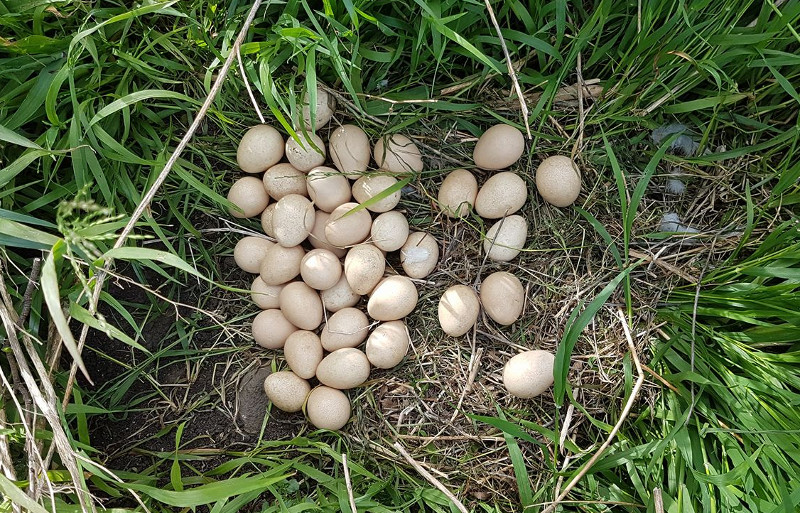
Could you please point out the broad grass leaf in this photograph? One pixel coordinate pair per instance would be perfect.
(12, 137)
(18, 497)
(208, 493)
(154, 255)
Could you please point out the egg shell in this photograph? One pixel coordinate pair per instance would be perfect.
(286, 390)
(325, 105)
(249, 252)
(392, 299)
(320, 269)
(506, 238)
(503, 297)
(558, 180)
(283, 179)
(364, 266)
(327, 188)
(249, 195)
(458, 310)
(499, 147)
(388, 344)
(306, 152)
(260, 148)
(397, 154)
(271, 329)
(348, 146)
(317, 235)
(457, 193)
(503, 194)
(389, 231)
(266, 220)
(263, 295)
(292, 220)
(367, 187)
(328, 408)
(343, 229)
(529, 374)
(344, 368)
(303, 352)
(346, 328)
(301, 305)
(419, 255)
(339, 296)
(281, 264)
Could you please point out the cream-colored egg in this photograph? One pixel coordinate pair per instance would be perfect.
(339, 296)
(281, 264)
(368, 187)
(346, 328)
(529, 374)
(261, 147)
(283, 179)
(286, 390)
(317, 235)
(292, 220)
(388, 344)
(458, 310)
(558, 180)
(419, 255)
(328, 188)
(325, 105)
(364, 266)
(306, 152)
(499, 147)
(503, 297)
(389, 231)
(301, 305)
(348, 146)
(320, 269)
(345, 228)
(506, 238)
(502, 195)
(328, 408)
(263, 295)
(344, 368)
(457, 193)
(303, 352)
(266, 220)
(249, 195)
(271, 329)
(393, 298)
(249, 252)
(397, 154)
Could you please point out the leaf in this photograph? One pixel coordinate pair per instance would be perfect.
(134, 253)
(136, 97)
(12, 137)
(208, 493)
(23, 161)
(21, 231)
(81, 314)
(18, 497)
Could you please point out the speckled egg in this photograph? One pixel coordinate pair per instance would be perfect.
(325, 105)
(419, 255)
(346, 229)
(301, 305)
(346, 328)
(320, 269)
(397, 154)
(348, 146)
(266, 220)
(529, 374)
(458, 310)
(339, 296)
(263, 295)
(344, 368)
(261, 147)
(457, 193)
(249, 195)
(303, 352)
(249, 252)
(317, 235)
(364, 266)
(306, 152)
(389, 231)
(392, 299)
(503, 297)
(286, 390)
(271, 329)
(499, 147)
(502, 195)
(328, 408)
(388, 344)
(368, 187)
(328, 188)
(283, 179)
(506, 238)
(281, 264)
(292, 220)
(558, 180)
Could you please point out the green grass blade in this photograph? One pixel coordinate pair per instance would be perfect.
(12, 137)
(209, 493)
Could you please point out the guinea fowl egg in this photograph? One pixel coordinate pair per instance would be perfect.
(303, 352)
(339, 296)
(320, 269)
(389, 231)
(502, 296)
(317, 235)
(249, 195)
(260, 148)
(249, 252)
(392, 299)
(343, 368)
(301, 305)
(266, 220)
(506, 238)
(346, 328)
(283, 179)
(529, 374)
(348, 146)
(397, 154)
(558, 180)
(271, 329)
(419, 255)
(281, 264)
(364, 266)
(388, 344)
(458, 310)
(286, 390)
(368, 187)
(502, 195)
(325, 105)
(328, 188)
(345, 228)
(263, 295)
(457, 193)
(499, 147)
(292, 220)
(328, 408)
(306, 152)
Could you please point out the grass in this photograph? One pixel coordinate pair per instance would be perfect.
(95, 97)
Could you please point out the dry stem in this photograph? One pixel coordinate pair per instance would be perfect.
(349, 484)
(427, 475)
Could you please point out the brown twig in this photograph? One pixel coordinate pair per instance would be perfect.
(348, 484)
(247, 86)
(428, 477)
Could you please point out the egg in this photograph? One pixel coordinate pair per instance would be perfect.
(303, 352)
(328, 408)
(339, 296)
(263, 295)
(266, 220)
(419, 255)
(457, 193)
(558, 180)
(368, 187)
(529, 374)
(249, 252)
(506, 238)
(260, 148)
(327, 188)
(502, 296)
(364, 266)
(301, 305)
(346, 328)
(324, 105)
(392, 299)
(249, 195)
(344, 368)
(317, 235)
(397, 154)
(283, 179)
(281, 264)
(345, 228)
(389, 231)
(306, 152)
(348, 146)
(499, 147)
(320, 269)
(292, 220)
(388, 344)
(458, 310)
(502, 195)
(271, 329)
(286, 390)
